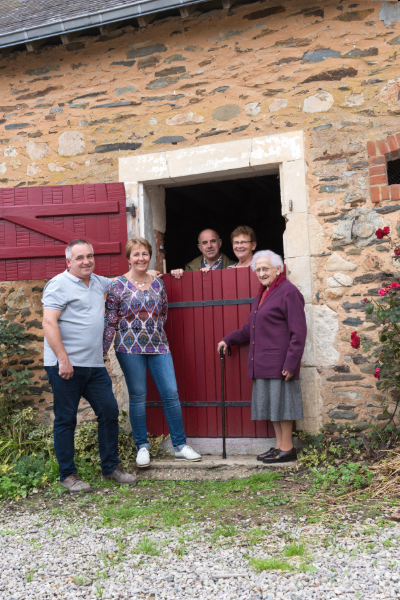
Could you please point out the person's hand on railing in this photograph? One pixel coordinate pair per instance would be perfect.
(177, 273)
(222, 345)
(154, 273)
(205, 269)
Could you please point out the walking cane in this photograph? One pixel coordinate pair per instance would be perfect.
(221, 353)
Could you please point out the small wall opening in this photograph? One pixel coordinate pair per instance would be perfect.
(222, 205)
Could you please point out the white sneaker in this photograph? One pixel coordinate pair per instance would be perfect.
(143, 458)
(187, 453)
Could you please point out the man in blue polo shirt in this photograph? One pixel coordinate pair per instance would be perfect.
(73, 323)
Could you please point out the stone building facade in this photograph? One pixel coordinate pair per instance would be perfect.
(311, 89)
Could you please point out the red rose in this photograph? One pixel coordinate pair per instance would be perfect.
(377, 373)
(380, 233)
(394, 284)
(355, 340)
(397, 251)
(366, 300)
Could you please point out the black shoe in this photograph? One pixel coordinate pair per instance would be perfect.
(267, 454)
(282, 456)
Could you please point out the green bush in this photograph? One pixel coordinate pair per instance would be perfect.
(26, 475)
(86, 444)
(345, 476)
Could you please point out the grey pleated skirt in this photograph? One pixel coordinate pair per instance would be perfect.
(276, 400)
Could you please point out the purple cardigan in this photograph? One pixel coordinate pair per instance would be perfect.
(276, 332)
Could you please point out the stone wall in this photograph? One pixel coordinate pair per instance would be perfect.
(69, 112)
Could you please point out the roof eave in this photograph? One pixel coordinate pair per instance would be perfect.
(103, 17)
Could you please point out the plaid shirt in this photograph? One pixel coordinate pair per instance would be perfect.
(216, 265)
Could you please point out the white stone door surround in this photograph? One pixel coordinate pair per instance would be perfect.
(146, 175)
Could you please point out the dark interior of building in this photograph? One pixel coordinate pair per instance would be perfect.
(222, 205)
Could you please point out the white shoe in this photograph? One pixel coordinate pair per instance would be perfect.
(187, 453)
(143, 458)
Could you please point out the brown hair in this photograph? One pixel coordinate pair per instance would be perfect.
(137, 241)
(244, 230)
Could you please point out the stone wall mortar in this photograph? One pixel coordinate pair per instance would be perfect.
(68, 113)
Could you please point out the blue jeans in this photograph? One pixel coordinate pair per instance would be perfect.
(161, 367)
(94, 384)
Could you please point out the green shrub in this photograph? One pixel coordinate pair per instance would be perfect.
(27, 475)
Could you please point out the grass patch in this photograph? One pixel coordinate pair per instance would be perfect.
(295, 549)
(224, 530)
(275, 500)
(147, 546)
(269, 564)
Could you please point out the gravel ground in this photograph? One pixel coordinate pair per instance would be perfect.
(73, 555)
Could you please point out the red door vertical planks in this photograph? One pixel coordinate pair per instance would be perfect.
(190, 358)
(246, 384)
(210, 353)
(219, 334)
(179, 357)
(232, 363)
(200, 363)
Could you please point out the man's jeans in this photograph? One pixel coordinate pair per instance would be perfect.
(161, 367)
(94, 384)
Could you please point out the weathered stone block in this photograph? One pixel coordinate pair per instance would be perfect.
(277, 149)
(299, 273)
(17, 300)
(343, 414)
(353, 322)
(322, 328)
(336, 263)
(203, 160)
(145, 167)
(295, 237)
(226, 113)
(320, 102)
(295, 199)
(345, 377)
(71, 143)
(333, 293)
(368, 369)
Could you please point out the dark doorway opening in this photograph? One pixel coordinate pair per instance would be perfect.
(222, 205)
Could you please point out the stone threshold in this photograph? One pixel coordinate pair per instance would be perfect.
(216, 462)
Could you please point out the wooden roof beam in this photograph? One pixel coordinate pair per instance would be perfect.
(34, 45)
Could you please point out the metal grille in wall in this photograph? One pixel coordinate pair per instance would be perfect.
(393, 171)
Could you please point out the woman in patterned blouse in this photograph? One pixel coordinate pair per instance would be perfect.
(136, 311)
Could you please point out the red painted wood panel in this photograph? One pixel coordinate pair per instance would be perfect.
(37, 223)
(193, 334)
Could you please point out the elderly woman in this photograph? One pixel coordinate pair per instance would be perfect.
(277, 333)
(136, 312)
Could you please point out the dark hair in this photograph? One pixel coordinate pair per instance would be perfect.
(244, 230)
(68, 253)
(208, 229)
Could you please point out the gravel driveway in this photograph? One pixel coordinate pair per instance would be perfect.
(73, 555)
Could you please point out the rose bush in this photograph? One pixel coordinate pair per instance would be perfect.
(385, 312)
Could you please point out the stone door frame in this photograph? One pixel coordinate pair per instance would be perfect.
(145, 177)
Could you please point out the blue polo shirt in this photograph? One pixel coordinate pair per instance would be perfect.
(81, 321)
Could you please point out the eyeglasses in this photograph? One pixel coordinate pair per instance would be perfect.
(264, 270)
(241, 243)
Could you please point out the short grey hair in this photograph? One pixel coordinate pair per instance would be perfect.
(275, 259)
(68, 249)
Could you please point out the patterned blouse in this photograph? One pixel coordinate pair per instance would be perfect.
(136, 317)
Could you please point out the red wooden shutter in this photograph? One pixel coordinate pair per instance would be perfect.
(36, 224)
